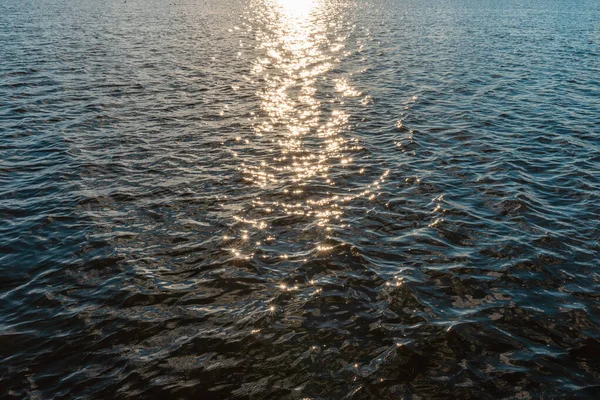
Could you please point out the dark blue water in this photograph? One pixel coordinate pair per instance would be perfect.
(324, 199)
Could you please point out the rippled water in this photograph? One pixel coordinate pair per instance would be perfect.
(300, 199)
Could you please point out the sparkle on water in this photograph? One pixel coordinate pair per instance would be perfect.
(303, 142)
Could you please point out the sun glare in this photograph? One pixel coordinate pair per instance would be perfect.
(296, 6)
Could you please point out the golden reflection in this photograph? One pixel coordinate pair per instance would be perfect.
(296, 6)
(304, 155)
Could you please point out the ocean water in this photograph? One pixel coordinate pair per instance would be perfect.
(290, 199)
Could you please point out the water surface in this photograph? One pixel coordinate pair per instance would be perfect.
(317, 199)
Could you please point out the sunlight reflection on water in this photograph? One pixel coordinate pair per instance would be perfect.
(302, 131)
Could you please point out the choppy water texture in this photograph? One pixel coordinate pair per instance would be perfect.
(324, 199)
